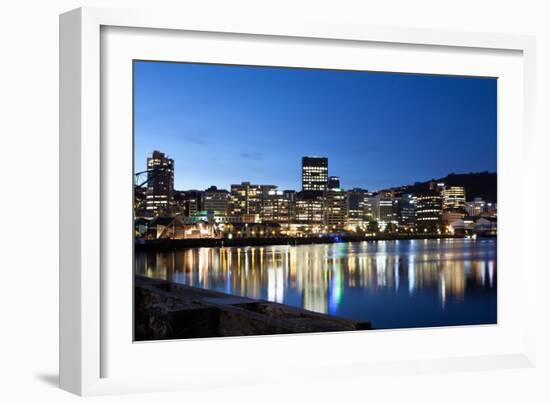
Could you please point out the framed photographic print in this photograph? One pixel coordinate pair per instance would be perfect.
(253, 193)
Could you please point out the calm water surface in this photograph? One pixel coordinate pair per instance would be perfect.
(392, 284)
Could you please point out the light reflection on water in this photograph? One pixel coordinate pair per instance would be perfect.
(406, 283)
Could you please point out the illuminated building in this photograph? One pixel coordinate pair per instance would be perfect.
(454, 198)
(216, 200)
(449, 217)
(175, 228)
(405, 210)
(309, 208)
(333, 182)
(180, 203)
(386, 211)
(253, 230)
(140, 198)
(291, 196)
(314, 174)
(246, 199)
(437, 187)
(359, 208)
(374, 202)
(335, 209)
(479, 207)
(429, 209)
(189, 202)
(160, 184)
(277, 207)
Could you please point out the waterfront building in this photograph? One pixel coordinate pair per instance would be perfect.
(253, 230)
(374, 203)
(216, 200)
(141, 225)
(405, 210)
(359, 209)
(451, 216)
(291, 196)
(277, 207)
(160, 184)
(314, 174)
(180, 203)
(479, 207)
(485, 226)
(140, 198)
(386, 211)
(429, 210)
(191, 202)
(246, 199)
(164, 227)
(333, 182)
(335, 209)
(209, 216)
(454, 198)
(310, 208)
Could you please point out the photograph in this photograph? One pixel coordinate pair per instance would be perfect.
(273, 200)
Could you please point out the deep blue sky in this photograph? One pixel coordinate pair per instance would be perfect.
(228, 124)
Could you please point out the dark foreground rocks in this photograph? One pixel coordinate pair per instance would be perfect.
(165, 310)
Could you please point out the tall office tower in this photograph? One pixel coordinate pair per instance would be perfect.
(314, 174)
(160, 184)
(454, 198)
(429, 211)
(335, 209)
(216, 200)
(333, 182)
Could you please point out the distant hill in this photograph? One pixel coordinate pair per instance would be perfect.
(476, 184)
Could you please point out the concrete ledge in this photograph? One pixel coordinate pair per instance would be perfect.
(166, 310)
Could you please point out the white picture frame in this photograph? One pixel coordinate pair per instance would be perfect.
(90, 340)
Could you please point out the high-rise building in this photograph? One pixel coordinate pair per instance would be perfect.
(160, 184)
(335, 209)
(429, 210)
(314, 174)
(333, 182)
(454, 198)
(216, 200)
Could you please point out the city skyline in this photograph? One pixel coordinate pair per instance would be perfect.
(300, 184)
(227, 124)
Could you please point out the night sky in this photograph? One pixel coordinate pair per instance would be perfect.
(228, 124)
